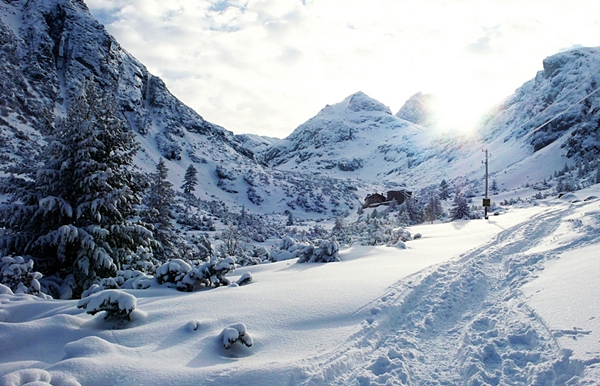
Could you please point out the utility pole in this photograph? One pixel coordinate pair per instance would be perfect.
(486, 200)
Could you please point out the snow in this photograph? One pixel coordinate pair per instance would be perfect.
(511, 300)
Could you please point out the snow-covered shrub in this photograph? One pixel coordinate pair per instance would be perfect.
(247, 258)
(287, 242)
(209, 274)
(326, 251)
(17, 273)
(143, 260)
(261, 252)
(106, 283)
(254, 257)
(417, 236)
(116, 303)
(246, 278)
(135, 279)
(400, 235)
(236, 333)
(172, 271)
(400, 245)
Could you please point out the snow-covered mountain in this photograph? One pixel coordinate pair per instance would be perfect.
(549, 121)
(50, 48)
(358, 137)
(418, 109)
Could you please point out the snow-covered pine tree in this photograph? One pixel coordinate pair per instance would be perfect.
(412, 210)
(444, 193)
(190, 180)
(494, 186)
(460, 207)
(158, 212)
(433, 208)
(290, 218)
(73, 213)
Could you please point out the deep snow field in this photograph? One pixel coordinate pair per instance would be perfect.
(509, 300)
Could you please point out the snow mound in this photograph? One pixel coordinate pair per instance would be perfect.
(37, 377)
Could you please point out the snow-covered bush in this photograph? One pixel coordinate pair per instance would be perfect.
(285, 251)
(5, 290)
(106, 283)
(209, 274)
(172, 271)
(196, 248)
(247, 258)
(117, 304)
(17, 273)
(246, 278)
(236, 333)
(143, 260)
(326, 251)
(254, 257)
(135, 279)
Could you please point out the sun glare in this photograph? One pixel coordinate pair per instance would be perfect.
(458, 112)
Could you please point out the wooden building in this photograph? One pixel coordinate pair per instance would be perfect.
(373, 200)
(376, 199)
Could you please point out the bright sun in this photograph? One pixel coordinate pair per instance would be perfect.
(458, 111)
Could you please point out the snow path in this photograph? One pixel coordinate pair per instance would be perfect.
(462, 322)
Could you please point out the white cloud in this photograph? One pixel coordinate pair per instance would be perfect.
(265, 66)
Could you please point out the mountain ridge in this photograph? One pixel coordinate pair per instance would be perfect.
(50, 48)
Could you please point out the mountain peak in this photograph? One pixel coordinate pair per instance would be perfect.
(554, 63)
(418, 109)
(359, 101)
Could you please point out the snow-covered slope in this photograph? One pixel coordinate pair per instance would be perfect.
(358, 137)
(418, 109)
(510, 301)
(51, 47)
(551, 120)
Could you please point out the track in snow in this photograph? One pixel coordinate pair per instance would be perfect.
(462, 322)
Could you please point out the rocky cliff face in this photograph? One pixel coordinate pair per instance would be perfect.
(51, 47)
(352, 136)
(418, 109)
(562, 100)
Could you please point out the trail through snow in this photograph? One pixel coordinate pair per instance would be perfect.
(465, 321)
(510, 301)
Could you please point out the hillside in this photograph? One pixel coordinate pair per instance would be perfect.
(358, 137)
(271, 271)
(509, 301)
(51, 48)
(549, 121)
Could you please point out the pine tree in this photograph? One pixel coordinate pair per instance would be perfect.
(158, 211)
(460, 208)
(444, 190)
(494, 186)
(415, 213)
(190, 180)
(72, 215)
(290, 218)
(433, 208)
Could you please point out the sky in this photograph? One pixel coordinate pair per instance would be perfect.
(266, 66)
